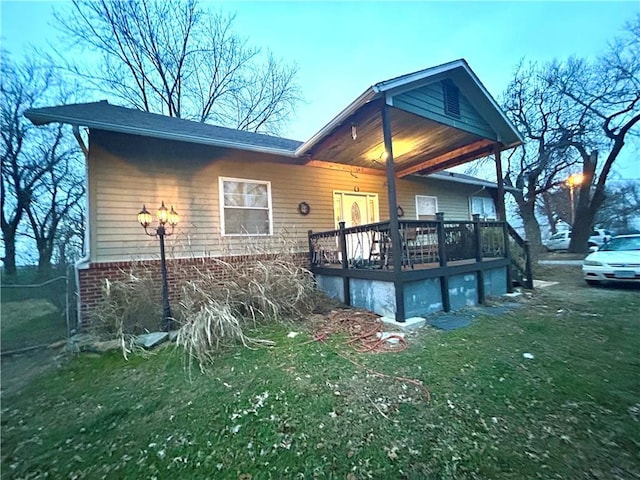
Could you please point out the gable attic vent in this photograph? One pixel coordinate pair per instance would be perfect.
(451, 98)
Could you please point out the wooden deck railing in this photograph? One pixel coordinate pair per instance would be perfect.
(423, 243)
(521, 271)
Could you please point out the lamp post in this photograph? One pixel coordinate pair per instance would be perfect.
(165, 216)
(573, 181)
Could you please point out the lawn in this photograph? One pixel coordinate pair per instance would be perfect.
(32, 316)
(304, 409)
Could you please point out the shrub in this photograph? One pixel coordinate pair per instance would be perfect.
(129, 306)
(211, 314)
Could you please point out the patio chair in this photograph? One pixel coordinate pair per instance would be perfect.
(378, 250)
(409, 238)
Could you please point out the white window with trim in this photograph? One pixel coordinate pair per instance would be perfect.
(426, 207)
(485, 207)
(245, 207)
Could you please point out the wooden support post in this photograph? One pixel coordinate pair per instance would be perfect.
(345, 265)
(507, 255)
(500, 208)
(442, 251)
(477, 235)
(442, 254)
(478, 247)
(394, 227)
(312, 252)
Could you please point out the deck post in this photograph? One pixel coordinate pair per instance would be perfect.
(502, 215)
(312, 252)
(442, 254)
(345, 265)
(394, 226)
(477, 235)
(507, 254)
(478, 247)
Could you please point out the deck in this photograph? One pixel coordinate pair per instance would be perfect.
(436, 265)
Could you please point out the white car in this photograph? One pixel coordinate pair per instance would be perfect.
(616, 261)
(561, 240)
(558, 241)
(599, 237)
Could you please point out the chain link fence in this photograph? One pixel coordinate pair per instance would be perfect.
(36, 312)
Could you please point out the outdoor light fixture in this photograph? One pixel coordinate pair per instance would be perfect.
(354, 131)
(165, 216)
(573, 181)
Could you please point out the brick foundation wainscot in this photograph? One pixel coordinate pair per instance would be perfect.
(92, 279)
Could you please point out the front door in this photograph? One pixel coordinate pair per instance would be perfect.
(354, 209)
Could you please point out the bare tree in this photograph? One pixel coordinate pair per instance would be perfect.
(69, 243)
(177, 59)
(556, 206)
(549, 127)
(59, 191)
(39, 179)
(20, 171)
(607, 92)
(569, 111)
(620, 211)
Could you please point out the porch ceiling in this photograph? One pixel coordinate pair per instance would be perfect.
(420, 145)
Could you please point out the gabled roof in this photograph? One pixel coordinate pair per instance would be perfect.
(112, 118)
(457, 70)
(423, 141)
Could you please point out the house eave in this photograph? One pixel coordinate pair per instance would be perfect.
(391, 87)
(452, 177)
(363, 99)
(38, 118)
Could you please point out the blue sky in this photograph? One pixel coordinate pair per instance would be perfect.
(341, 48)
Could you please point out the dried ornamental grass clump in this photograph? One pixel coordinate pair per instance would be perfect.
(211, 326)
(212, 313)
(215, 314)
(128, 306)
(208, 327)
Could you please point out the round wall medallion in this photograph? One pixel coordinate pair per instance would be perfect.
(400, 211)
(304, 208)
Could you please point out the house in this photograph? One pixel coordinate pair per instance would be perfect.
(368, 192)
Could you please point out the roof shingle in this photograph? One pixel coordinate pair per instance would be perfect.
(104, 116)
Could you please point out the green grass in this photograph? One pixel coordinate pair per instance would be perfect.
(305, 411)
(32, 315)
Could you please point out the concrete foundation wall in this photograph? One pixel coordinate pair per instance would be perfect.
(495, 282)
(332, 286)
(374, 295)
(463, 290)
(421, 297)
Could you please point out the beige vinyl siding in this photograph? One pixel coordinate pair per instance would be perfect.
(120, 183)
(453, 197)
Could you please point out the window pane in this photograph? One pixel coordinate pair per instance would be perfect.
(238, 221)
(256, 195)
(483, 206)
(477, 205)
(426, 205)
(245, 194)
(490, 208)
